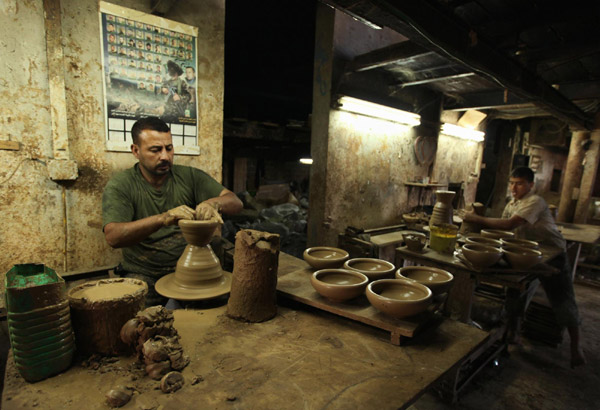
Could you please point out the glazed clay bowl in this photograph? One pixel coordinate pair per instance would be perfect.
(524, 243)
(325, 257)
(437, 280)
(481, 256)
(522, 258)
(415, 241)
(496, 233)
(339, 285)
(482, 240)
(374, 269)
(399, 298)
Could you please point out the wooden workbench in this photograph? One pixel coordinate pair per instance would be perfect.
(577, 235)
(466, 278)
(300, 359)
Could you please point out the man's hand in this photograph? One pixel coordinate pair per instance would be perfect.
(208, 211)
(468, 216)
(172, 216)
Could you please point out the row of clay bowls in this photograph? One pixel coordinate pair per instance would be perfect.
(407, 295)
(483, 252)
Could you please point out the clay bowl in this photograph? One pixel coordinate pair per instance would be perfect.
(374, 269)
(482, 240)
(481, 256)
(325, 257)
(437, 280)
(524, 243)
(522, 258)
(411, 219)
(399, 298)
(198, 233)
(415, 241)
(496, 233)
(339, 285)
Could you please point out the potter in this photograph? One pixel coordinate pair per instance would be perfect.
(141, 206)
(529, 216)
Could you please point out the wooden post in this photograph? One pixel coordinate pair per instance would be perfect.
(588, 177)
(240, 174)
(254, 283)
(572, 179)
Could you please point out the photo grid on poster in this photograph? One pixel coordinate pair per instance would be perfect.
(148, 71)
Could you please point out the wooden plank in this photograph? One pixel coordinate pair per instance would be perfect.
(296, 286)
(388, 238)
(10, 145)
(56, 78)
(579, 232)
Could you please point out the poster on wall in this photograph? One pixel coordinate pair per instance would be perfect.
(149, 69)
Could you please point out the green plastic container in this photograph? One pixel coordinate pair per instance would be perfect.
(40, 330)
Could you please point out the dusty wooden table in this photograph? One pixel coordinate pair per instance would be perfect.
(577, 235)
(298, 360)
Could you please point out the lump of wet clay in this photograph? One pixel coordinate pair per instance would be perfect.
(119, 396)
(162, 348)
(158, 369)
(171, 382)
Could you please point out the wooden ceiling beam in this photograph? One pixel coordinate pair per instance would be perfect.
(435, 79)
(387, 55)
(502, 100)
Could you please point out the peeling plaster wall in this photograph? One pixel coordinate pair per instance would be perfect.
(369, 160)
(31, 204)
(458, 160)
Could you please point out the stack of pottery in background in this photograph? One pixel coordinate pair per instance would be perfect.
(39, 321)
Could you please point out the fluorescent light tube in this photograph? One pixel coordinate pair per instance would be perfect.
(354, 105)
(460, 132)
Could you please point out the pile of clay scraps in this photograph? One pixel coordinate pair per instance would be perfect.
(152, 335)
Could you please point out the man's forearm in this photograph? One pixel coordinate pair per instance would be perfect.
(493, 223)
(229, 203)
(122, 234)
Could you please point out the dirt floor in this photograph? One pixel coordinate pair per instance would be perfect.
(530, 376)
(535, 376)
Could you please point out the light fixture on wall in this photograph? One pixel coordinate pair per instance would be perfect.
(354, 105)
(306, 161)
(461, 132)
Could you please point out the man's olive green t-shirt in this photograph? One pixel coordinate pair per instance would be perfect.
(128, 197)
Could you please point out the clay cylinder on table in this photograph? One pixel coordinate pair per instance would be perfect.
(472, 227)
(253, 288)
(99, 309)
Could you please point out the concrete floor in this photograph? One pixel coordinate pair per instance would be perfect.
(535, 376)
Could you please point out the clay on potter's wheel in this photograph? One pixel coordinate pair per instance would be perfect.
(100, 308)
(198, 274)
(198, 233)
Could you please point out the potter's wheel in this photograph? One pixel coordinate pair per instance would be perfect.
(198, 274)
(169, 286)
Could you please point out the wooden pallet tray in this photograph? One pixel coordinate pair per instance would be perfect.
(296, 286)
